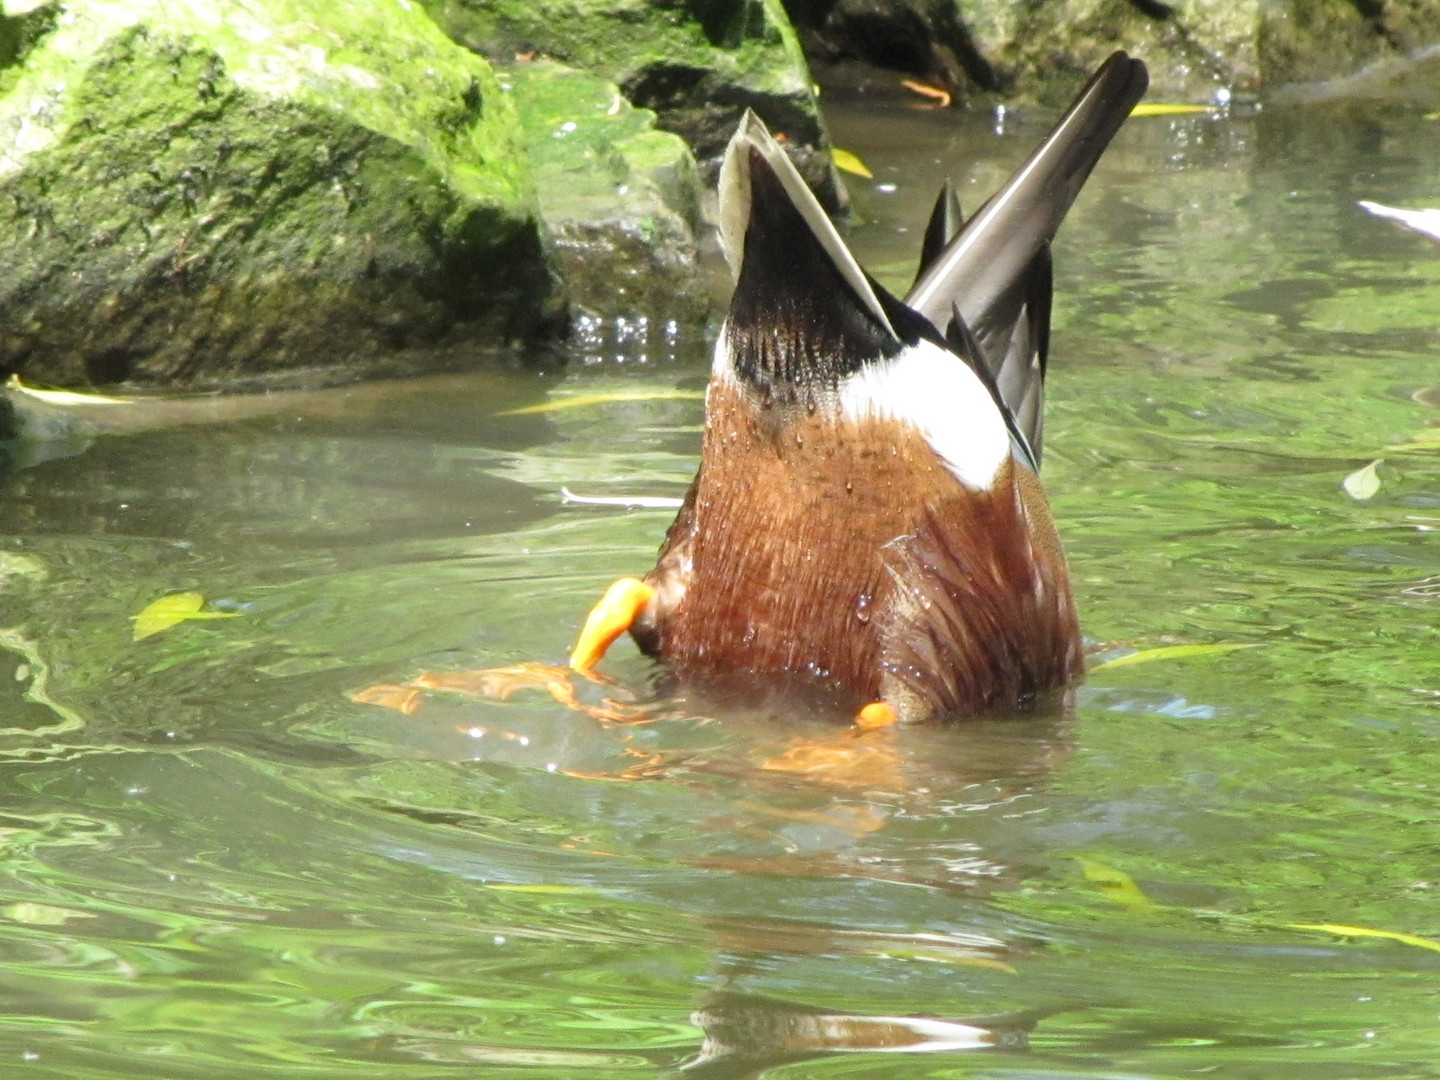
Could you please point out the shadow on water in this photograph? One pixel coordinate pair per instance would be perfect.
(216, 863)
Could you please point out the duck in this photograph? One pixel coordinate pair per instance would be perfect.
(867, 521)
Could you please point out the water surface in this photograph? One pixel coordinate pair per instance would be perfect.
(217, 864)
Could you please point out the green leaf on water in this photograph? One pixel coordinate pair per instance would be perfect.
(582, 400)
(1174, 652)
(1115, 884)
(171, 610)
(1365, 931)
(1363, 483)
(848, 162)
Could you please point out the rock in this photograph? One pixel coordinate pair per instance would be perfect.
(196, 190)
(978, 49)
(620, 199)
(697, 63)
(1317, 40)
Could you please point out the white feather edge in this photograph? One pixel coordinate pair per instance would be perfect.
(734, 191)
(934, 391)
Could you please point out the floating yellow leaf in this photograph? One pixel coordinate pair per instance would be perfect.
(546, 890)
(1115, 884)
(42, 914)
(850, 163)
(583, 400)
(1363, 483)
(174, 608)
(1365, 931)
(1161, 108)
(63, 397)
(1173, 652)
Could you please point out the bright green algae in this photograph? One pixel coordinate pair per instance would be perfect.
(201, 189)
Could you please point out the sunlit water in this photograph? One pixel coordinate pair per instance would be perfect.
(217, 865)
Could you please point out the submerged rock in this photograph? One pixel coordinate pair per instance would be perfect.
(195, 190)
(697, 63)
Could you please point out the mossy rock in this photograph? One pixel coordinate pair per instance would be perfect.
(1316, 40)
(620, 199)
(697, 63)
(197, 190)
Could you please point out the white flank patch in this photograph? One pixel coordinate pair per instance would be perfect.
(936, 391)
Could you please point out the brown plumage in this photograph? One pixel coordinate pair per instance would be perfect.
(867, 521)
(848, 557)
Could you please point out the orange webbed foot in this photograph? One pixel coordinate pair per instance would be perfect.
(862, 756)
(500, 684)
(849, 759)
(612, 616)
(876, 717)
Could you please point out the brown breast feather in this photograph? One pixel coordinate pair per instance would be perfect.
(847, 556)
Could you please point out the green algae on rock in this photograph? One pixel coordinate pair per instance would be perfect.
(697, 63)
(199, 190)
(620, 199)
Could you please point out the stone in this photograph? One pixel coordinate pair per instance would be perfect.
(195, 191)
(621, 199)
(697, 63)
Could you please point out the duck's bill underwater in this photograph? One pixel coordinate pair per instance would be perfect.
(867, 522)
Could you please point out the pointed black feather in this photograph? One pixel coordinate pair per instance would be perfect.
(996, 268)
(1017, 352)
(945, 222)
(961, 341)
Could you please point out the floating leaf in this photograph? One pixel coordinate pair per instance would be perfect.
(1174, 652)
(174, 608)
(1115, 884)
(546, 889)
(580, 401)
(1363, 483)
(1425, 221)
(63, 397)
(1365, 931)
(42, 914)
(1161, 108)
(850, 163)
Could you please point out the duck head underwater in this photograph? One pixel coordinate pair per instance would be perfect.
(867, 520)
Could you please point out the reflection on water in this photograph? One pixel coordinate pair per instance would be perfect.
(217, 863)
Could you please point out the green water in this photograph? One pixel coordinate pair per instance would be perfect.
(216, 865)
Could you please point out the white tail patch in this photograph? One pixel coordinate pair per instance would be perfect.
(934, 390)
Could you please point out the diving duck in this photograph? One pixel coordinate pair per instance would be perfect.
(867, 519)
